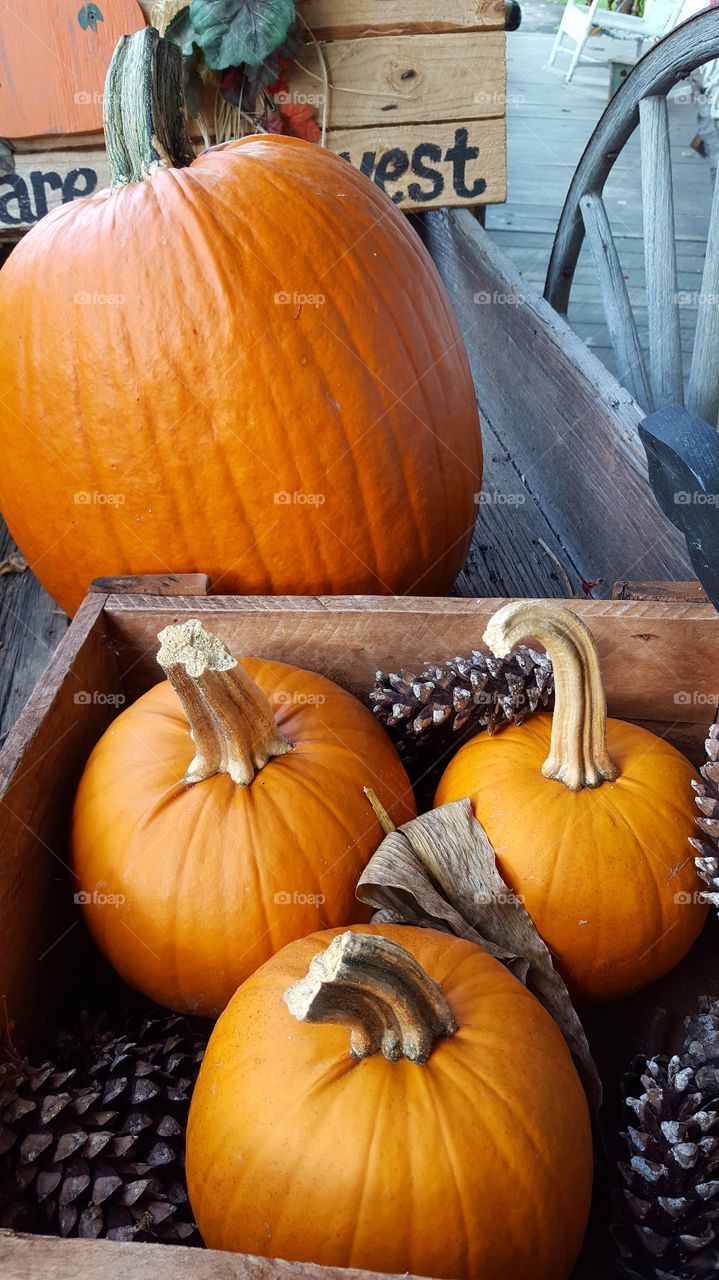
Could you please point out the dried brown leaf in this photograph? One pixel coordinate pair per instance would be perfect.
(439, 871)
(14, 563)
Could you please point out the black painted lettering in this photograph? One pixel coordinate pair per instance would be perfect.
(459, 155)
(426, 151)
(39, 182)
(390, 168)
(70, 188)
(18, 194)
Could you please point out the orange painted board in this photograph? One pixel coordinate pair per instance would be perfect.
(54, 56)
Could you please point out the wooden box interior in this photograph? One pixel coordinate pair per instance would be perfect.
(659, 665)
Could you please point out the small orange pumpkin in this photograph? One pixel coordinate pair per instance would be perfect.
(199, 858)
(590, 818)
(447, 1135)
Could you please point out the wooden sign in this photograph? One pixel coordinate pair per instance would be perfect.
(416, 101)
(54, 56)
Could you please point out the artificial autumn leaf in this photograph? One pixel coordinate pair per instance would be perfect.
(232, 32)
(299, 116)
(181, 31)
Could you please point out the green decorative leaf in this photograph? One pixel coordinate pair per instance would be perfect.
(181, 31)
(7, 159)
(192, 83)
(231, 32)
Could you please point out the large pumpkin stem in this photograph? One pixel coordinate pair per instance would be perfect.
(144, 112)
(231, 720)
(578, 754)
(378, 990)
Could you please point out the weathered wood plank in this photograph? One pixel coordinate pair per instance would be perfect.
(617, 308)
(31, 626)
(665, 351)
(26, 1257)
(355, 19)
(415, 78)
(703, 392)
(569, 427)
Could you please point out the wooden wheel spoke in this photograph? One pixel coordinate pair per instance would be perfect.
(703, 393)
(622, 326)
(660, 255)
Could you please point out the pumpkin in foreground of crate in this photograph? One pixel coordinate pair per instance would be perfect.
(250, 365)
(439, 1128)
(590, 818)
(193, 871)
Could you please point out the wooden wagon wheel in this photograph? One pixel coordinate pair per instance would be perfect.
(642, 100)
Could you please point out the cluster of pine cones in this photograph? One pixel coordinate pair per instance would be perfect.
(92, 1143)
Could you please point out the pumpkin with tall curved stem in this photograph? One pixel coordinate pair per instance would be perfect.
(243, 364)
(199, 854)
(419, 1112)
(590, 818)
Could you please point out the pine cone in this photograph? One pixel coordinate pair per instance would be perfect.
(93, 1144)
(667, 1225)
(479, 692)
(707, 799)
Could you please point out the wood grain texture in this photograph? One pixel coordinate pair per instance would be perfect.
(154, 584)
(40, 765)
(568, 426)
(653, 653)
(49, 43)
(26, 1257)
(31, 627)
(687, 47)
(703, 391)
(617, 308)
(687, 592)
(665, 348)
(415, 78)
(342, 19)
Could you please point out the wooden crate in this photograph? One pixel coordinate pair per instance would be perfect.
(659, 665)
(417, 103)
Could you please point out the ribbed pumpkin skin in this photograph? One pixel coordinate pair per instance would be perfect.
(214, 878)
(182, 409)
(477, 1164)
(599, 870)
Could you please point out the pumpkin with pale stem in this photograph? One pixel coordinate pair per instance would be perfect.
(200, 857)
(423, 1114)
(243, 364)
(589, 817)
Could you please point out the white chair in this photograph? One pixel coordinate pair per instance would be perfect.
(578, 20)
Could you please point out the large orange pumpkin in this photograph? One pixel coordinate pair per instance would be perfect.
(247, 366)
(590, 819)
(439, 1128)
(197, 859)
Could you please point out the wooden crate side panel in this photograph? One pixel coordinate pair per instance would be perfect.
(658, 659)
(26, 1257)
(40, 765)
(415, 78)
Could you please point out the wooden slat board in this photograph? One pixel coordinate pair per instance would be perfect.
(53, 59)
(417, 102)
